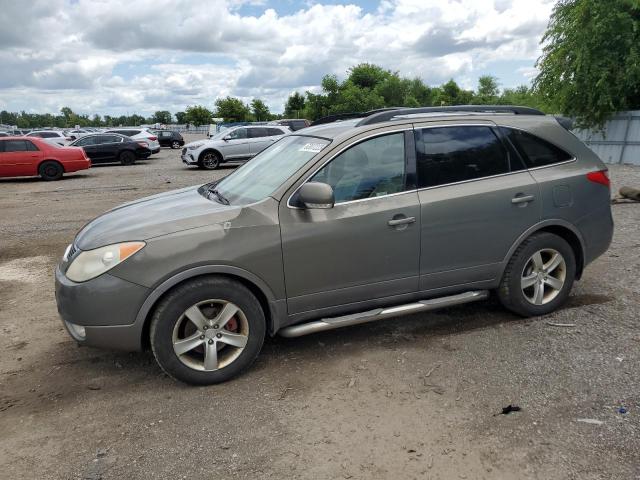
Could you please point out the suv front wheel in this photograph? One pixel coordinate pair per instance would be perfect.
(209, 160)
(539, 276)
(207, 330)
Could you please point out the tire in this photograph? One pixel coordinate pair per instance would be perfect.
(209, 160)
(50, 170)
(535, 285)
(175, 144)
(127, 158)
(194, 349)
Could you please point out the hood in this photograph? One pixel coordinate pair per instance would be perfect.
(154, 216)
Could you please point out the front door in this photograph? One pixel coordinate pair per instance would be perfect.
(19, 157)
(476, 200)
(235, 145)
(368, 245)
(259, 139)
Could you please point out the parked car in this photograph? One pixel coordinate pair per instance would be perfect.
(75, 134)
(237, 144)
(51, 136)
(4, 134)
(139, 134)
(170, 138)
(293, 123)
(112, 147)
(30, 157)
(343, 223)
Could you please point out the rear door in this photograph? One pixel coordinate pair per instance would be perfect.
(109, 147)
(258, 139)
(367, 246)
(476, 199)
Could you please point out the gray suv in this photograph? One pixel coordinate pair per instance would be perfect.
(346, 222)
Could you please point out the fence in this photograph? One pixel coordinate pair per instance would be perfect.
(619, 141)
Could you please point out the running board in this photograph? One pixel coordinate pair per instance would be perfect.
(381, 313)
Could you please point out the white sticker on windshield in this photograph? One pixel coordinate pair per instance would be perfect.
(312, 147)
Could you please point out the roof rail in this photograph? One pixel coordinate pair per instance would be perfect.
(389, 114)
(348, 116)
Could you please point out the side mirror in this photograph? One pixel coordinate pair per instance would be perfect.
(316, 195)
(226, 139)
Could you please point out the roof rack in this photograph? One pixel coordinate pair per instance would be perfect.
(389, 114)
(348, 116)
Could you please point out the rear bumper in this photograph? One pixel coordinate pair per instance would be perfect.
(75, 165)
(105, 306)
(597, 233)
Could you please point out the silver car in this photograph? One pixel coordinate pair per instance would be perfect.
(237, 144)
(346, 222)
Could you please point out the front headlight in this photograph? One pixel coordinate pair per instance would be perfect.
(195, 146)
(91, 263)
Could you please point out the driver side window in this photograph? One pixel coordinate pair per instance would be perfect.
(373, 168)
(238, 133)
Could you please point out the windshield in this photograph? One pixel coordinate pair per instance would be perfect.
(260, 177)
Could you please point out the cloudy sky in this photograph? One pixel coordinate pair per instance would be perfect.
(126, 56)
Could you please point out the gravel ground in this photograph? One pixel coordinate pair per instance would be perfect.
(415, 397)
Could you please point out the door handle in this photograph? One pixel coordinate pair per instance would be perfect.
(520, 198)
(401, 221)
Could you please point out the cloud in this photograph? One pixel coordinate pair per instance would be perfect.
(149, 55)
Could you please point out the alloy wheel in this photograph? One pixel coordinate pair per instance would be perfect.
(210, 161)
(210, 335)
(543, 276)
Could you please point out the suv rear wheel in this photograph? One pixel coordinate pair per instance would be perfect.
(207, 330)
(175, 144)
(539, 276)
(127, 158)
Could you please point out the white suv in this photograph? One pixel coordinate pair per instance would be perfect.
(141, 134)
(51, 136)
(237, 144)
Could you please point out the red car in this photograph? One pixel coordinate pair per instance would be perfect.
(21, 156)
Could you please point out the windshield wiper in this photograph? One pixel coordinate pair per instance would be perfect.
(221, 198)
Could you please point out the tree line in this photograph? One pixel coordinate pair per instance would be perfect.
(589, 69)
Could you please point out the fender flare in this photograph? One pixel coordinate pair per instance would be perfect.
(277, 307)
(552, 222)
(213, 149)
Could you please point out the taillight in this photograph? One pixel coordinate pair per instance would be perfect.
(153, 139)
(601, 177)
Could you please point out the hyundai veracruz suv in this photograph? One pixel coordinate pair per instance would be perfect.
(237, 144)
(398, 211)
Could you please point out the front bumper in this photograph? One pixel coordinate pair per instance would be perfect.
(105, 306)
(188, 158)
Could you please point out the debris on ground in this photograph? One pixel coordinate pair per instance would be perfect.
(591, 421)
(510, 408)
(622, 410)
(554, 324)
(630, 193)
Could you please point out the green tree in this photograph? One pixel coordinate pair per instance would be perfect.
(260, 110)
(488, 90)
(232, 109)
(451, 94)
(295, 105)
(162, 116)
(590, 63)
(367, 75)
(181, 117)
(198, 115)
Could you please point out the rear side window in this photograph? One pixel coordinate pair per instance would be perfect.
(109, 139)
(48, 135)
(257, 132)
(31, 147)
(274, 131)
(15, 146)
(86, 141)
(535, 151)
(458, 153)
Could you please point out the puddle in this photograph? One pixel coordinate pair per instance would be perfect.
(28, 269)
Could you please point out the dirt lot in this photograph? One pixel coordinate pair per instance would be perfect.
(414, 397)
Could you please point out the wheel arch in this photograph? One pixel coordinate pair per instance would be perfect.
(210, 149)
(561, 228)
(254, 283)
(50, 160)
